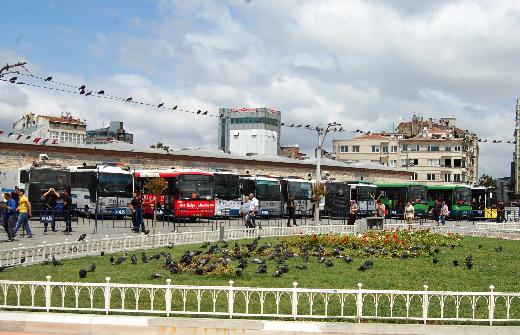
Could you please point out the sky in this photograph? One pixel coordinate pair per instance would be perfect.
(366, 64)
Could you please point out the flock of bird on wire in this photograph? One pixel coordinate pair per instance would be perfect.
(211, 257)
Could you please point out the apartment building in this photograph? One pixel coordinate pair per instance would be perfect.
(66, 129)
(435, 151)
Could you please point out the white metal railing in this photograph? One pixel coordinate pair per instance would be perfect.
(230, 301)
(74, 249)
(493, 229)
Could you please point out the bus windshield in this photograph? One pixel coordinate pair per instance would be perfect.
(227, 186)
(268, 190)
(365, 192)
(417, 194)
(115, 184)
(48, 176)
(195, 187)
(300, 190)
(462, 196)
(337, 188)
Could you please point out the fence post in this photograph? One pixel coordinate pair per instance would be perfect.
(491, 304)
(221, 233)
(359, 302)
(425, 304)
(107, 295)
(231, 298)
(48, 293)
(295, 300)
(168, 297)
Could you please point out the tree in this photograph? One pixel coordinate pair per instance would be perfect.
(318, 193)
(160, 145)
(155, 186)
(487, 181)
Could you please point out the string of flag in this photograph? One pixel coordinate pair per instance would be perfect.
(35, 139)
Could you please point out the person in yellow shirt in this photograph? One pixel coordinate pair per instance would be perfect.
(24, 210)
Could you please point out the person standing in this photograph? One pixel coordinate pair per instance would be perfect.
(380, 209)
(445, 212)
(254, 210)
(436, 212)
(353, 212)
(409, 214)
(24, 210)
(8, 217)
(501, 212)
(245, 212)
(291, 208)
(67, 208)
(137, 213)
(51, 200)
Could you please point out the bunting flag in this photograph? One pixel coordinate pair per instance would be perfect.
(27, 137)
(36, 140)
(10, 134)
(19, 136)
(1, 132)
(45, 141)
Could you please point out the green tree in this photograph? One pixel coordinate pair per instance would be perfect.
(155, 186)
(487, 181)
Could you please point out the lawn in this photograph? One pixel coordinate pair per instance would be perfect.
(389, 270)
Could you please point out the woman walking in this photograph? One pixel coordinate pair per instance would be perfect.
(409, 214)
(353, 212)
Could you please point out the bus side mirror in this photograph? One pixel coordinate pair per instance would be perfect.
(24, 177)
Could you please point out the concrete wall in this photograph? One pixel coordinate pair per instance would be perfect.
(18, 155)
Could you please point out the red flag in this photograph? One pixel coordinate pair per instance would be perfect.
(36, 140)
(19, 136)
(1, 132)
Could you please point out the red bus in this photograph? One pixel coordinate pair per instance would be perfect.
(188, 194)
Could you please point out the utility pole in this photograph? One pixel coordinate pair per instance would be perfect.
(322, 133)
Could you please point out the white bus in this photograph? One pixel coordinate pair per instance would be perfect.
(268, 192)
(227, 194)
(301, 189)
(104, 188)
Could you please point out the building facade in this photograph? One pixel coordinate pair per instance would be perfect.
(65, 129)
(114, 132)
(435, 151)
(249, 131)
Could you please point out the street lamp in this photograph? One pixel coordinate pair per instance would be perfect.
(322, 133)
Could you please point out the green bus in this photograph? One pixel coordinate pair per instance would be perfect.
(457, 197)
(396, 195)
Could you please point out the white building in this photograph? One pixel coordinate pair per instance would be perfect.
(65, 129)
(249, 131)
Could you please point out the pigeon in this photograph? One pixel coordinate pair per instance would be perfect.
(452, 246)
(160, 105)
(156, 275)
(238, 271)
(13, 80)
(88, 93)
(82, 237)
(55, 262)
(92, 267)
(22, 260)
(284, 268)
(367, 265)
(112, 259)
(329, 263)
(436, 250)
(174, 107)
(102, 253)
(133, 259)
(82, 88)
(301, 267)
(480, 246)
(156, 257)
(147, 231)
(455, 262)
(225, 244)
(144, 258)
(82, 92)
(212, 267)
(199, 271)
(120, 260)
(199, 111)
(128, 99)
(205, 113)
(48, 79)
(82, 273)
(258, 261)
(498, 249)
(262, 269)
(101, 92)
(469, 262)
(170, 246)
(435, 260)
(321, 259)
(277, 273)
(204, 245)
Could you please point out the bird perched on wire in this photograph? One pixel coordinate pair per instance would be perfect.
(174, 108)
(128, 99)
(13, 80)
(205, 113)
(160, 105)
(101, 92)
(48, 79)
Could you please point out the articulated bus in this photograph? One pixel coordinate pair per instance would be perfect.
(189, 193)
(396, 195)
(457, 197)
(105, 189)
(35, 180)
(337, 199)
(227, 194)
(268, 192)
(364, 194)
(301, 189)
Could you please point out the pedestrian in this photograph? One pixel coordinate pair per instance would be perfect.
(137, 212)
(445, 212)
(244, 212)
(436, 212)
(8, 215)
(15, 195)
(352, 212)
(24, 210)
(67, 209)
(501, 212)
(409, 214)
(291, 208)
(380, 209)
(254, 210)
(51, 200)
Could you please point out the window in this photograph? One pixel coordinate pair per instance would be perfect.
(404, 162)
(448, 148)
(430, 176)
(343, 148)
(393, 163)
(457, 148)
(405, 147)
(355, 148)
(433, 147)
(55, 135)
(415, 147)
(433, 162)
(393, 149)
(384, 148)
(456, 178)
(413, 176)
(457, 163)
(375, 148)
(447, 178)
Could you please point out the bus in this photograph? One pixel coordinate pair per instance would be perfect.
(227, 194)
(104, 189)
(337, 199)
(36, 180)
(396, 195)
(301, 189)
(482, 198)
(189, 194)
(364, 194)
(268, 192)
(457, 197)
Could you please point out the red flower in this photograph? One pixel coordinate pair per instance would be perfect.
(395, 237)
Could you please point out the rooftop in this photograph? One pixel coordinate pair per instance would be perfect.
(61, 119)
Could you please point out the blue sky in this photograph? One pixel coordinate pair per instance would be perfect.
(366, 64)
